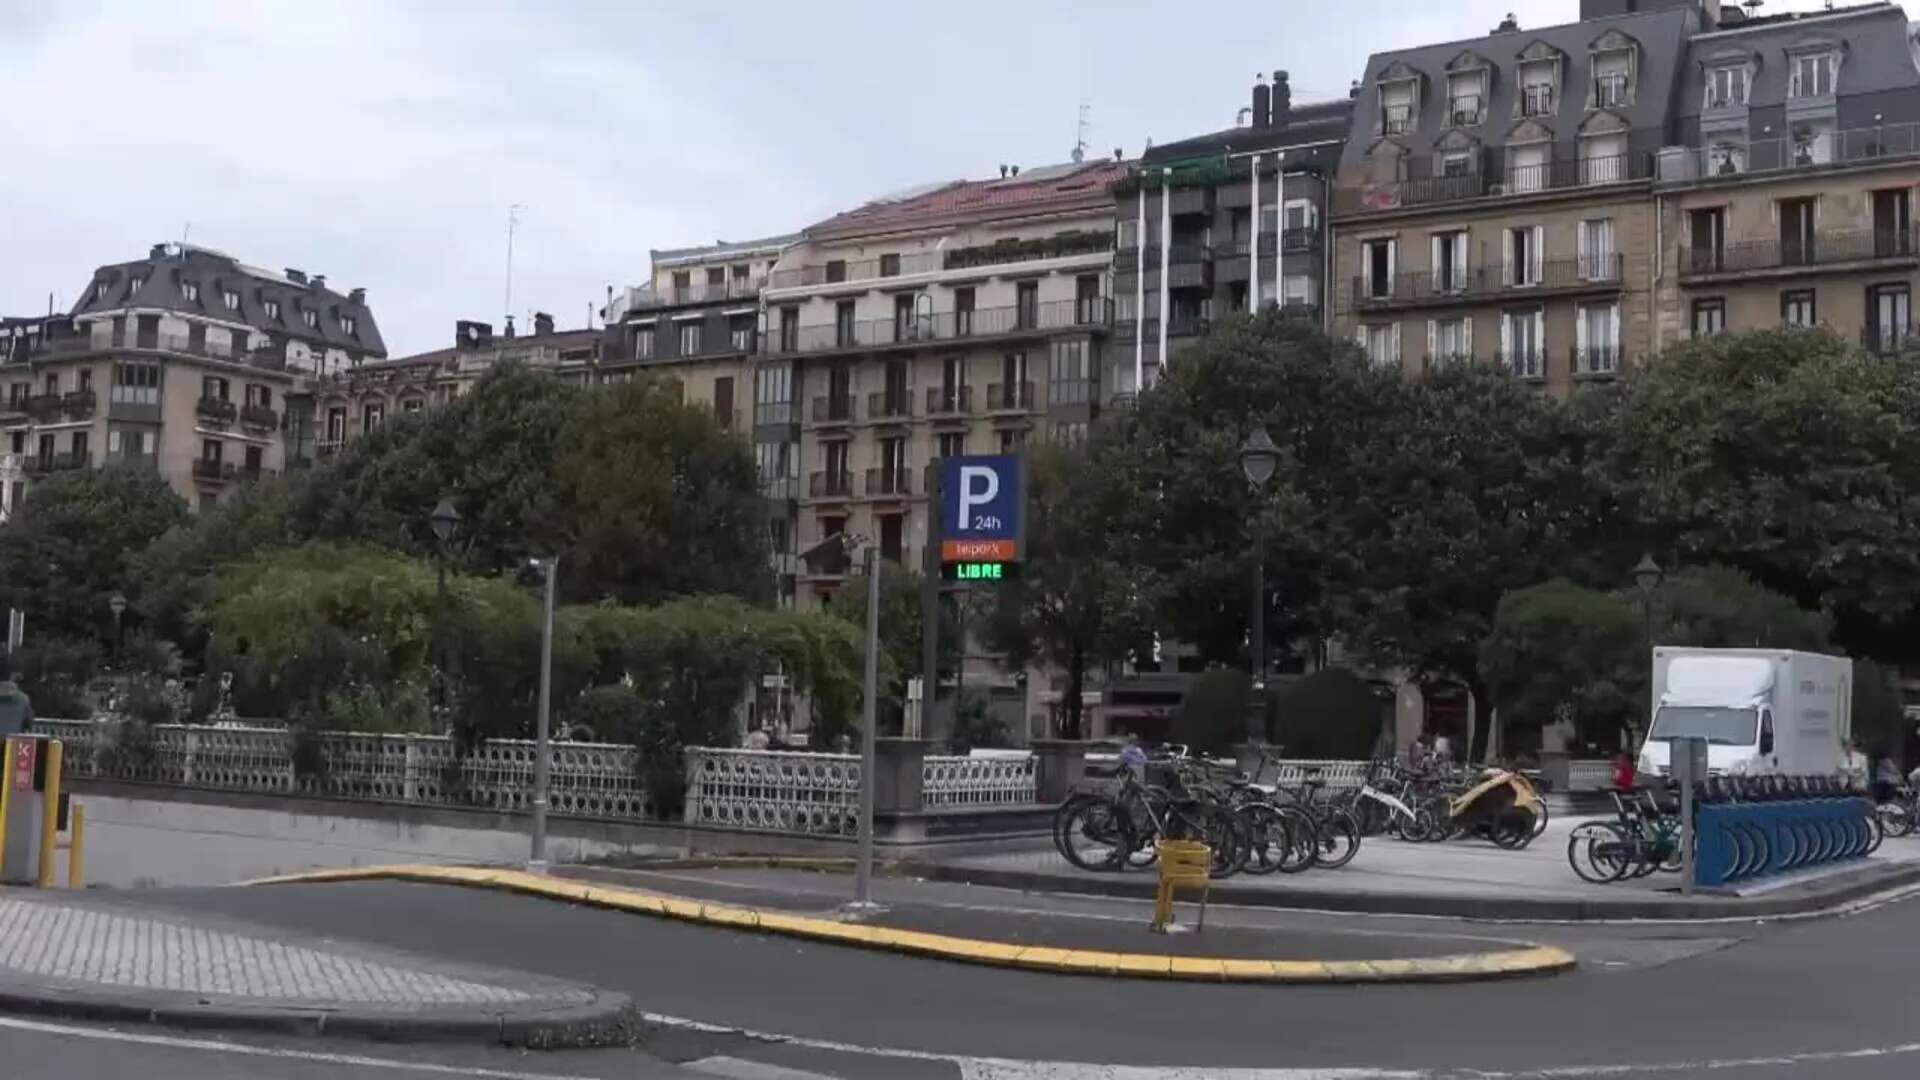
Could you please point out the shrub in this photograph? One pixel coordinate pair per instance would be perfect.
(55, 672)
(1329, 714)
(977, 725)
(1213, 714)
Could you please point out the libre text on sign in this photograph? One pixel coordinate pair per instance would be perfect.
(981, 525)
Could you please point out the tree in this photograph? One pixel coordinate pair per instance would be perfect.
(1329, 714)
(1557, 649)
(70, 545)
(1720, 607)
(649, 499)
(902, 634)
(1080, 596)
(1213, 713)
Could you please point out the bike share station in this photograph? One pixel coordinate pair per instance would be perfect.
(33, 814)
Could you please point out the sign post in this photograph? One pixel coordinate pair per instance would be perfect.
(982, 524)
(1689, 757)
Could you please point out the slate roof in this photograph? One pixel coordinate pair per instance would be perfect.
(1306, 123)
(1878, 72)
(1046, 188)
(166, 271)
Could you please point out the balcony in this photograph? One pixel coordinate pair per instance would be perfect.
(1481, 283)
(47, 463)
(1466, 110)
(702, 292)
(46, 408)
(1066, 393)
(79, 404)
(775, 414)
(1821, 150)
(1596, 362)
(1179, 254)
(1889, 339)
(949, 401)
(838, 271)
(889, 482)
(1003, 252)
(215, 410)
(833, 409)
(1833, 249)
(1537, 100)
(1010, 397)
(1529, 179)
(1092, 313)
(214, 471)
(830, 485)
(260, 417)
(1611, 92)
(781, 488)
(890, 405)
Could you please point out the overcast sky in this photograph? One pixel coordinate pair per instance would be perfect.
(380, 143)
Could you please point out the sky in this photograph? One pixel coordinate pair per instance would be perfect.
(381, 142)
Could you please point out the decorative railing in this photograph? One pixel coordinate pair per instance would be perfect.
(1590, 774)
(586, 779)
(773, 791)
(1334, 774)
(983, 781)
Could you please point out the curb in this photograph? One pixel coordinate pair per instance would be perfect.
(1477, 909)
(1464, 967)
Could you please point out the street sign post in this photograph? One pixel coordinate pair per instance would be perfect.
(982, 520)
(1689, 759)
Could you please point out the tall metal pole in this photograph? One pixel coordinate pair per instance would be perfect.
(1253, 238)
(863, 875)
(542, 746)
(1280, 230)
(1140, 291)
(1166, 247)
(1257, 611)
(930, 606)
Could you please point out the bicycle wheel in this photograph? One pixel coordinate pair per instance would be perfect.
(1599, 852)
(1097, 835)
(1271, 837)
(1339, 839)
(1512, 828)
(1539, 818)
(1060, 815)
(1303, 840)
(1896, 819)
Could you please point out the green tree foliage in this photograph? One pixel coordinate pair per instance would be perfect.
(649, 499)
(1721, 607)
(1213, 714)
(1558, 646)
(70, 546)
(55, 671)
(976, 725)
(902, 634)
(1329, 714)
(1879, 715)
(1082, 596)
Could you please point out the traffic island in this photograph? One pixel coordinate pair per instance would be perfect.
(1033, 944)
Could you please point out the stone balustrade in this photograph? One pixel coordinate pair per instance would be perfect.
(773, 791)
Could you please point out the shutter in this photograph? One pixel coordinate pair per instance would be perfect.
(1460, 259)
(1581, 343)
(1536, 255)
(1396, 344)
(1391, 246)
(1433, 339)
(1583, 250)
(1613, 328)
(1433, 263)
(1506, 340)
(1466, 336)
(1540, 341)
(1506, 256)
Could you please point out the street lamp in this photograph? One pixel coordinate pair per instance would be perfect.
(1259, 457)
(1646, 578)
(542, 741)
(118, 605)
(446, 525)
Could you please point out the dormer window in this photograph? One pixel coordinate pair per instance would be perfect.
(1399, 99)
(347, 325)
(99, 291)
(231, 299)
(1727, 87)
(272, 308)
(311, 318)
(134, 283)
(1464, 100)
(190, 292)
(1396, 119)
(1813, 75)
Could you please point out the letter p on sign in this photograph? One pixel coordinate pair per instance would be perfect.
(979, 486)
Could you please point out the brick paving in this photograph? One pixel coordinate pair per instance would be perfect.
(110, 949)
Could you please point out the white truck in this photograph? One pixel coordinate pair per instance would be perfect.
(1760, 710)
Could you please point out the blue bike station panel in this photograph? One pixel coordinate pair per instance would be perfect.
(1741, 841)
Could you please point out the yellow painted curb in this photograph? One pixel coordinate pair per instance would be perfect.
(1532, 960)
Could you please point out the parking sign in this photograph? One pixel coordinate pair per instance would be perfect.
(981, 500)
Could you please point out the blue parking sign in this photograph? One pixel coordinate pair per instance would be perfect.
(980, 505)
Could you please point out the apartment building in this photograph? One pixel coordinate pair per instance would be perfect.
(956, 318)
(187, 361)
(354, 402)
(1787, 198)
(1218, 199)
(1493, 202)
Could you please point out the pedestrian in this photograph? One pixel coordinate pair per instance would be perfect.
(1623, 772)
(1886, 779)
(1856, 766)
(1133, 756)
(16, 708)
(1417, 754)
(757, 739)
(1443, 751)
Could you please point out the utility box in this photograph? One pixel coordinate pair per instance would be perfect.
(30, 807)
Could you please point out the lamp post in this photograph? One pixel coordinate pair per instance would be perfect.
(1259, 457)
(542, 737)
(1646, 578)
(446, 525)
(118, 605)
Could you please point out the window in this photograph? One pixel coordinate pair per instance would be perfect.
(190, 292)
(53, 382)
(273, 309)
(214, 388)
(773, 394)
(77, 446)
(903, 321)
(412, 405)
(1893, 223)
(1449, 340)
(690, 338)
(1070, 380)
(336, 424)
(893, 537)
(134, 285)
(1603, 159)
(1450, 261)
(239, 340)
(1012, 441)
(1382, 344)
(212, 450)
(893, 466)
(843, 330)
(890, 265)
(371, 417)
(741, 272)
(1376, 261)
(1536, 99)
(311, 318)
(963, 310)
(1456, 163)
(716, 281)
(347, 325)
(682, 282)
(1523, 343)
(789, 329)
(1026, 300)
(1396, 107)
(1087, 307)
(1598, 350)
(952, 444)
(85, 377)
(1726, 158)
(1813, 75)
(1527, 168)
(643, 343)
(1612, 79)
(1069, 433)
(260, 396)
(99, 291)
(836, 270)
(1598, 260)
(231, 299)
(1299, 291)
(1707, 230)
(1890, 307)
(1797, 309)
(1709, 316)
(1524, 256)
(1727, 87)
(1796, 231)
(1464, 99)
(253, 461)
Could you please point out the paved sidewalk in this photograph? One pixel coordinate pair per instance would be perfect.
(84, 956)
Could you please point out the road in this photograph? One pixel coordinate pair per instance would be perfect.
(1816, 998)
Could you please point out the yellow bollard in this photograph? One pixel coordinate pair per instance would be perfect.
(76, 845)
(1183, 863)
(49, 813)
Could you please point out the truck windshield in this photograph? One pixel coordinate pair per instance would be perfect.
(1719, 726)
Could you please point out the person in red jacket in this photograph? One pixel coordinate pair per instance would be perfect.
(1623, 778)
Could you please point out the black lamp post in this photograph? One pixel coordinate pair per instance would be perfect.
(1259, 457)
(1646, 578)
(118, 605)
(446, 525)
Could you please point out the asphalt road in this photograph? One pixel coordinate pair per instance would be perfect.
(1822, 998)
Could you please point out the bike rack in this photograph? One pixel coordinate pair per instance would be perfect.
(1738, 841)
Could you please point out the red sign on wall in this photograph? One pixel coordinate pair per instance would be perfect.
(23, 750)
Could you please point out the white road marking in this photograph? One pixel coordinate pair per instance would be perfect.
(215, 1046)
(733, 1068)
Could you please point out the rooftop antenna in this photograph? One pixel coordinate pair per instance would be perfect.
(185, 228)
(513, 222)
(1080, 134)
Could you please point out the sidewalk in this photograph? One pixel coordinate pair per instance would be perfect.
(84, 957)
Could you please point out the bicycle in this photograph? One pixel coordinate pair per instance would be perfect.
(1109, 832)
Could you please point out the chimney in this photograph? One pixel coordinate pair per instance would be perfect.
(1508, 25)
(1119, 154)
(1282, 99)
(319, 281)
(1003, 172)
(509, 330)
(1015, 168)
(357, 296)
(298, 277)
(1353, 91)
(1262, 103)
(468, 334)
(542, 324)
(159, 252)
